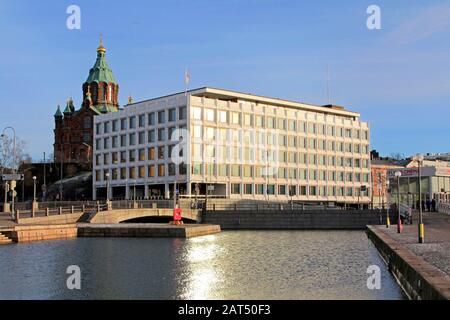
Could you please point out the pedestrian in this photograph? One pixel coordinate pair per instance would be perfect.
(428, 204)
(433, 205)
(423, 205)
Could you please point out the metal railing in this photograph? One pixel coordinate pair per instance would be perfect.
(264, 206)
(444, 208)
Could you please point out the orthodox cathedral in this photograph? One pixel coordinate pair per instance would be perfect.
(74, 128)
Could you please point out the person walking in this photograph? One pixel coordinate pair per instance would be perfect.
(428, 204)
(423, 205)
(433, 205)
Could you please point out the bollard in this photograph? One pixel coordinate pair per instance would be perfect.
(72, 210)
(47, 212)
(83, 208)
(32, 212)
(60, 211)
(98, 207)
(17, 216)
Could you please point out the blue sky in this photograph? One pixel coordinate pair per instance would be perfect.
(397, 77)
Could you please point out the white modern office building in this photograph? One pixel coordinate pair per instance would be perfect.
(235, 145)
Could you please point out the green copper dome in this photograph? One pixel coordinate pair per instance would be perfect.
(101, 72)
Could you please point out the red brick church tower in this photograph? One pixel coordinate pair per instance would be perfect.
(74, 128)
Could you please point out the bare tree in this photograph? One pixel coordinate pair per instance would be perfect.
(7, 159)
(397, 156)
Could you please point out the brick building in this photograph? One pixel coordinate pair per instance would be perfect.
(74, 128)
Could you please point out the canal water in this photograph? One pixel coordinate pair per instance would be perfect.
(229, 265)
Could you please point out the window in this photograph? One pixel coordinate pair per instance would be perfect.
(123, 173)
(248, 120)
(248, 171)
(182, 113)
(132, 138)
(248, 189)
(151, 119)
(303, 190)
(172, 169)
(235, 118)
(223, 170)
(210, 115)
(115, 174)
(142, 137)
(123, 156)
(161, 170)
(161, 134)
(132, 122)
(161, 117)
(97, 128)
(114, 141)
(97, 160)
(313, 191)
(172, 115)
(171, 130)
(292, 125)
(141, 120)
(161, 150)
(115, 125)
(151, 153)
(132, 156)
(223, 116)
(114, 158)
(123, 124)
(132, 173)
(141, 154)
(123, 140)
(259, 121)
(235, 188)
(282, 190)
(141, 172)
(106, 143)
(151, 136)
(270, 122)
(151, 171)
(198, 132)
(196, 113)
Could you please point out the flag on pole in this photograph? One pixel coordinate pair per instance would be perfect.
(187, 78)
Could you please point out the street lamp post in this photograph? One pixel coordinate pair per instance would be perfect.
(34, 189)
(398, 174)
(388, 219)
(107, 186)
(44, 186)
(419, 159)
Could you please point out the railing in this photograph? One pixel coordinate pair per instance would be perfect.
(444, 208)
(264, 206)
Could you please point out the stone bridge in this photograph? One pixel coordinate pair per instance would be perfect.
(121, 215)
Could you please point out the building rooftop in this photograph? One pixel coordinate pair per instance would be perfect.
(234, 96)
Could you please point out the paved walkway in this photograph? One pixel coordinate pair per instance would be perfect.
(436, 249)
(5, 220)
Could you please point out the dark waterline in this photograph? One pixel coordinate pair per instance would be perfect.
(230, 265)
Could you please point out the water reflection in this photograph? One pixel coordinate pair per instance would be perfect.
(230, 265)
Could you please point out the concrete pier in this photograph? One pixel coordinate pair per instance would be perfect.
(423, 270)
(143, 230)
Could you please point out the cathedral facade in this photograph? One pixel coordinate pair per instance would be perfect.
(74, 128)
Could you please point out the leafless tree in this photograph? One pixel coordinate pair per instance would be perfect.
(397, 156)
(7, 159)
